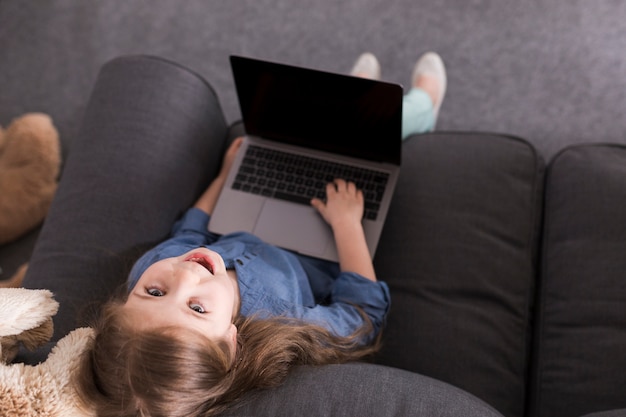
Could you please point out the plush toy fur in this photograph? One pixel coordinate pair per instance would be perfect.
(30, 161)
(19, 325)
(45, 389)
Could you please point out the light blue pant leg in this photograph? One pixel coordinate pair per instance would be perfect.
(418, 113)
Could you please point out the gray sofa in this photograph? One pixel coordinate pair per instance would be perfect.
(507, 273)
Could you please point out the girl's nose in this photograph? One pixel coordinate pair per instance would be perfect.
(187, 276)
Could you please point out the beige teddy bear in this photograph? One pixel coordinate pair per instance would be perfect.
(45, 389)
(30, 161)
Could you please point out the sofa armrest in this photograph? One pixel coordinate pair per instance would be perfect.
(581, 333)
(150, 125)
(363, 390)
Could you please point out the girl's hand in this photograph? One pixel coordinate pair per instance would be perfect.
(343, 211)
(344, 203)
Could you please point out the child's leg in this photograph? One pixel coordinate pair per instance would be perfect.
(423, 101)
(418, 113)
(428, 87)
(151, 139)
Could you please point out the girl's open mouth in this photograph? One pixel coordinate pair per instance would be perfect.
(202, 260)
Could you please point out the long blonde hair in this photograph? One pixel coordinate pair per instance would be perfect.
(175, 371)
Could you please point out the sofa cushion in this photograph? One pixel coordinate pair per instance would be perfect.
(581, 333)
(459, 252)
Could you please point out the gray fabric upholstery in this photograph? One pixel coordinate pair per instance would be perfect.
(362, 390)
(459, 252)
(581, 333)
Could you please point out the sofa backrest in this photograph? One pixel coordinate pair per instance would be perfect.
(460, 254)
(579, 361)
(507, 280)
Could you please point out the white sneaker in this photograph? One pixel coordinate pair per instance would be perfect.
(366, 66)
(431, 64)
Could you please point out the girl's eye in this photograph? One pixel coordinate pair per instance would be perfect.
(155, 292)
(197, 308)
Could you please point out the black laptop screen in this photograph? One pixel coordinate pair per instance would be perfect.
(331, 112)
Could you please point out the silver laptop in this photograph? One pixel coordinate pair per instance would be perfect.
(304, 128)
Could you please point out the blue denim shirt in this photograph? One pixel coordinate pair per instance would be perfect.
(277, 282)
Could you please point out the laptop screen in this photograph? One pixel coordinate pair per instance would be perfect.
(316, 109)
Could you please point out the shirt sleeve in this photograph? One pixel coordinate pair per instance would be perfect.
(341, 314)
(373, 298)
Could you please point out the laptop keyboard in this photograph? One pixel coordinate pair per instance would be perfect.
(298, 179)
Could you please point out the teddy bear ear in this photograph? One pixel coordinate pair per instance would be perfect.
(24, 309)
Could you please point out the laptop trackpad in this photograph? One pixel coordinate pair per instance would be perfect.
(293, 226)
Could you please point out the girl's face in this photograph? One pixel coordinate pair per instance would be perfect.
(192, 290)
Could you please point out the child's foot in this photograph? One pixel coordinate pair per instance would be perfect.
(366, 66)
(429, 75)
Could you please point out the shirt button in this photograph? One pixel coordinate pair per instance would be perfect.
(239, 261)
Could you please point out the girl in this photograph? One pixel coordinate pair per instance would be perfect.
(209, 318)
